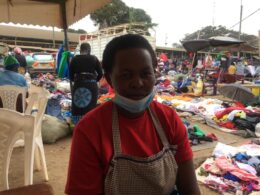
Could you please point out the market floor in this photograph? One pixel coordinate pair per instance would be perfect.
(57, 156)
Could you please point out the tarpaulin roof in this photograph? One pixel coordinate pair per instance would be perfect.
(47, 12)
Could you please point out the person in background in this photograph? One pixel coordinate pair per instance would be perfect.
(10, 76)
(224, 65)
(84, 71)
(131, 144)
(18, 53)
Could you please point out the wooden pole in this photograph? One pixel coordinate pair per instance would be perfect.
(65, 24)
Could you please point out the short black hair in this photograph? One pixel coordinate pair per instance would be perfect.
(127, 41)
(85, 47)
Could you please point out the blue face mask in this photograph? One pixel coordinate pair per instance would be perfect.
(134, 106)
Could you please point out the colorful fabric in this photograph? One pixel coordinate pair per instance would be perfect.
(10, 61)
(232, 114)
(12, 78)
(232, 69)
(228, 125)
(92, 145)
(64, 66)
(220, 114)
(226, 165)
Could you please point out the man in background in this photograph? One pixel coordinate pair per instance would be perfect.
(10, 76)
(18, 53)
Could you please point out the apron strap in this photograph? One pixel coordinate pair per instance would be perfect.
(159, 128)
(116, 132)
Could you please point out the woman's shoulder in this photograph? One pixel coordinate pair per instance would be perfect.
(96, 119)
(100, 113)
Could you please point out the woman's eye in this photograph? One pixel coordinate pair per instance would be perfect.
(126, 75)
(146, 74)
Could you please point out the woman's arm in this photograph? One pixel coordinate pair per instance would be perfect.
(186, 179)
(85, 174)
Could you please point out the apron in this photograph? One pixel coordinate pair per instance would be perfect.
(84, 94)
(128, 175)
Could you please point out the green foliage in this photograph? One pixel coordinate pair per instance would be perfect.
(210, 31)
(117, 12)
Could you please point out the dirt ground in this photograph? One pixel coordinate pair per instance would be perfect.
(57, 156)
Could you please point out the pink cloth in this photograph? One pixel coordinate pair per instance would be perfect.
(216, 183)
(226, 165)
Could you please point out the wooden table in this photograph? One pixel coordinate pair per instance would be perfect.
(37, 189)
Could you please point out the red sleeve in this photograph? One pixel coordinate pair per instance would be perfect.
(85, 174)
(184, 152)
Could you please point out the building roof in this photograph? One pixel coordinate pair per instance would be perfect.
(32, 33)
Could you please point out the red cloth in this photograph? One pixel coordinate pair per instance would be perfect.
(239, 105)
(221, 113)
(166, 83)
(92, 147)
(228, 125)
(164, 57)
(110, 90)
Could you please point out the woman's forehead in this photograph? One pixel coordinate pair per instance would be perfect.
(134, 57)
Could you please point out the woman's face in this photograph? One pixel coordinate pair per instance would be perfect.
(133, 75)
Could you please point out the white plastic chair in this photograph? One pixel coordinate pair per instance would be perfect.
(30, 131)
(9, 96)
(40, 160)
(12, 125)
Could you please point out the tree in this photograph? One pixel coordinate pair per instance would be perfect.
(117, 12)
(211, 31)
(111, 14)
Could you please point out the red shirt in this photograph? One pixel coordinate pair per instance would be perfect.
(92, 146)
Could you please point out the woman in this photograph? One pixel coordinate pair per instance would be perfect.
(85, 72)
(132, 144)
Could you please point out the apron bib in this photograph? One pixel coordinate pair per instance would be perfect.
(128, 175)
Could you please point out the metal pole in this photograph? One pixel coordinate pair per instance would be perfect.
(53, 37)
(259, 43)
(240, 21)
(240, 25)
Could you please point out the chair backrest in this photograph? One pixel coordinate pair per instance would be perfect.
(35, 94)
(12, 125)
(9, 96)
(41, 107)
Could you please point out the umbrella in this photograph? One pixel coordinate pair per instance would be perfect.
(197, 45)
(237, 92)
(55, 13)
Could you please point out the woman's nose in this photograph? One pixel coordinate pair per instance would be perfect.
(137, 82)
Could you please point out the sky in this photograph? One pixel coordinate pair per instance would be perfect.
(175, 18)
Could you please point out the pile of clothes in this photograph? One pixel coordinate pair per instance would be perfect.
(229, 117)
(232, 170)
(196, 135)
(239, 117)
(59, 103)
